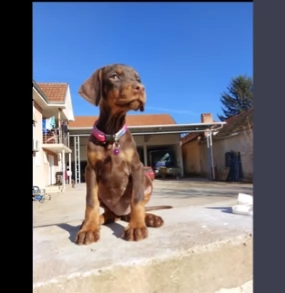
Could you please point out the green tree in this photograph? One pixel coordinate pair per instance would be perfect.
(238, 98)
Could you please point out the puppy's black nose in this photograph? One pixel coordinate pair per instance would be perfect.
(138, 87)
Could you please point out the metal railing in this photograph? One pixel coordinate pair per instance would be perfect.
(53, 138)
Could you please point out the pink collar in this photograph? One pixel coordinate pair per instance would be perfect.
(102, 137)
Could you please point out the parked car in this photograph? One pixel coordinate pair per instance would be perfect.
(169, 172)
(149, 172)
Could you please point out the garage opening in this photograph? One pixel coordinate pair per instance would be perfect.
(164, 158)
(140, 151)
(83, 165)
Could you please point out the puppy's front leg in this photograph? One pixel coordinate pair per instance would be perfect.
(136, 229)
(90, 229)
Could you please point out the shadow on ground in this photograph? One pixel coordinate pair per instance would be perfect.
(117, 229)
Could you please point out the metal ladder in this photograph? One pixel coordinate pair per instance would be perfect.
(77, 159)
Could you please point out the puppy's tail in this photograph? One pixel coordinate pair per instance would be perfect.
(155, 208)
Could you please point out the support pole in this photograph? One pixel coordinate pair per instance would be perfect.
(68, 140)
(69, 165)
(209, 155)
(59, 136)
(180, 159)
(75, 157)
(145, 155)
(78, 160)
(212, 156)
(63, 169)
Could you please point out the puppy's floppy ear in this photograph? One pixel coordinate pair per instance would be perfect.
(91, 89)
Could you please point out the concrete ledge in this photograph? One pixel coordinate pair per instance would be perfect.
(245, 288)
(199, 250)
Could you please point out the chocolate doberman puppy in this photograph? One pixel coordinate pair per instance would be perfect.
(114, 174)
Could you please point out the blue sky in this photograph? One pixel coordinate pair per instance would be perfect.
(186, 53)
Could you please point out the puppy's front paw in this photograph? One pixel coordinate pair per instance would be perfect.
(87, 235)
(135, 234)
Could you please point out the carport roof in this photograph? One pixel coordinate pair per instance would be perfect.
(174, 128)
(161, 129)
(85, 122)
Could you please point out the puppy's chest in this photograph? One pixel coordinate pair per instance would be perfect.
(114, 172)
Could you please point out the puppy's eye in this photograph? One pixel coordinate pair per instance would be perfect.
(139, 80)
(115, 76)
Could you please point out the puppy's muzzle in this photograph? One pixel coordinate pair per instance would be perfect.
(138, 89)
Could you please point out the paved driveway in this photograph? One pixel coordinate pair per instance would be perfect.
(69, 206)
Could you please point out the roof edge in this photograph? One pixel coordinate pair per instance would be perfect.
(37, 87)
(162, 126)
(66, 91)
(43, 95)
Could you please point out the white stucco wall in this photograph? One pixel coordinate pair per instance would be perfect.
(41, 170)
(38, 176)
(68, 112)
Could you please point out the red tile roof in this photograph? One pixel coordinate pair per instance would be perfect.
(55, 92)
(238, 123)
(132, 120)
(190, 137)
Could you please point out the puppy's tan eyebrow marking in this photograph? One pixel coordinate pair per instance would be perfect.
(119, 71)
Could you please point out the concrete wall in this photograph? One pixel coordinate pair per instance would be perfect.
(242, 143)
(157, 139)
(191, 158)
(195, 156)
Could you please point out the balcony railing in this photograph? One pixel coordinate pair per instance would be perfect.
(53, 138)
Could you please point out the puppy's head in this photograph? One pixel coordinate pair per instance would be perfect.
(117, 86)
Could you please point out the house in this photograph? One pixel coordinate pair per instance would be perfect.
(236, 136)
(52, 104)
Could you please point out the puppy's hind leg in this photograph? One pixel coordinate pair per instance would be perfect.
(107, 217)
(151, 220)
